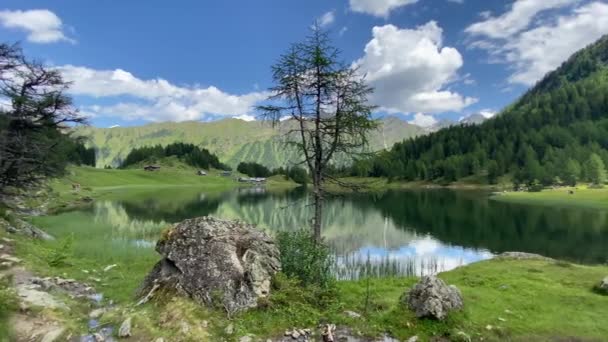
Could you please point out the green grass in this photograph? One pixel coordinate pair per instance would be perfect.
(523, 300)
(582, 197)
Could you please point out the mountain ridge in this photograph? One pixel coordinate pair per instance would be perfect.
(232, 140)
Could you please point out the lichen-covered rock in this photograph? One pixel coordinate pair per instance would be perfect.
(214, 261)
(432, 298)
(602, 287)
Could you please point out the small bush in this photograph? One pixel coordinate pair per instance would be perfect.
(57, 256)
(304, 259)
(8, 304)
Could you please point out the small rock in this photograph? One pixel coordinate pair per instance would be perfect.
(352, 314)
(7, 240)
(295, 334)
(462, 336)
(246, 338)
(109, 267)
(502, 319)
(8, 257)
(229, 329)
(160, 339)
(53, 335)
(603, 286)
(184, 327)
(488, 327)
(507, 311)
(413, 339)
(503, 287)
(205, 324)
(97, 313)
(99, 337)
(125, 328)
(1, 246)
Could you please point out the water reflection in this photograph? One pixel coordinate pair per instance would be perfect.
(410, 232)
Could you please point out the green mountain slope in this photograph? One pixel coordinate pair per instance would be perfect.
(232, 140)
(554, 134)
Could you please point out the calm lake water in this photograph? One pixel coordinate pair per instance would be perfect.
(397, 232)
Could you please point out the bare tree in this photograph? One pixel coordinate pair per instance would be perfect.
(34, 113)
(327, 100)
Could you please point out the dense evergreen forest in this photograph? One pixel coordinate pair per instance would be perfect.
(188, 153)
(556, 133)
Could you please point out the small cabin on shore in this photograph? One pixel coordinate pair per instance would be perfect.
(201, 173)
(257, 180)
(152, 167)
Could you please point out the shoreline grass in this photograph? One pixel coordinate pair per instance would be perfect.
(581, 196)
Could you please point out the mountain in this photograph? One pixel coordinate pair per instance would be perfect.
(232, 140)
(556, 133)
(473, 119)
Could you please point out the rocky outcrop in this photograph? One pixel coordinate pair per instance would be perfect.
(19, 226)
(432, 298)
(215, 262)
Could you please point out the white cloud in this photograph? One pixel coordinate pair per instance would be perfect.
(342, 31)
(155, 99)
(379, 8)
(41, 25)
(515, 20)
(245, 117)
(534, 51)
(457, 1)
(410, 69)
(423, 120)
(327, 19)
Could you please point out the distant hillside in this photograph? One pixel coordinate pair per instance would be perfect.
(555, 133)
(232, 140)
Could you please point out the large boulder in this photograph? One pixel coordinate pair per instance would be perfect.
(432, 298)
(215, 262)
(602, 287)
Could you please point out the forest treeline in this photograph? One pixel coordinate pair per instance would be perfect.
(557, 133)
(187, 153)
(253, 169)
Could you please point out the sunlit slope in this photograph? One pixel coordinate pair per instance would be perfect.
(232, 140)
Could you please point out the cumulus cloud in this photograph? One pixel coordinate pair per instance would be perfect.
(410, 69)
(533, 49)
(41, 25)
(154, 99)
(379, 8)
(326, 19)
(518, 18)
(423, 120)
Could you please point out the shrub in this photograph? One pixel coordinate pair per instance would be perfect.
(304, 259)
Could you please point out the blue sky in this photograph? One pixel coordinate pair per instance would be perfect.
(134, 62)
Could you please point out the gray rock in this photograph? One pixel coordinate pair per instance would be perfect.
(604, 284)
(125, 328)
(229, 330)
(432, 298)
(246, 338)
(413, 339)
(29, 294)
(214, 261)
(25, 228)
(95, 314)
(53, 335)
(352, 314)
(522, 256)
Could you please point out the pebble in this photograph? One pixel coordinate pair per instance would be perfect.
(502, 319)
(229, 329)
(125, 328)
(352, 314)
(412, 339)
(53, 335)
(488, 327)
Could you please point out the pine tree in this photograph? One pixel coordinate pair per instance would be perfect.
(595, 170)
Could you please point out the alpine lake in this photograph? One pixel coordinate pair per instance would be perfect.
(393, 233)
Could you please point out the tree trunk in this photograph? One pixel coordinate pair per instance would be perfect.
(318, 203)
